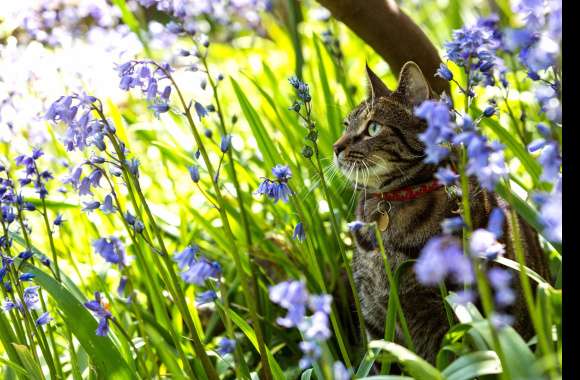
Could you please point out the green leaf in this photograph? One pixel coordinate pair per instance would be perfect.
(105, 356)
(27, 359)
(306, 375)
(473, 365)
(15, 367)
(525, 210)
(416, 366)
(386, 377)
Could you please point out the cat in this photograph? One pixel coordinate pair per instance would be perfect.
(380, 152)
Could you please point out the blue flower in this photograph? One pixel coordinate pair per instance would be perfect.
(44, 319)
(316, 327)
(194, 173)
(26, 276)
(200, 110)
(496, 221)
(501, 320)
(31, 298)
(483, 243)
(551, 213)
(226, 346)
(446, 176)
(355, 226)
(187, 257)
(320, 303)
(206, 297)
(302, 89)
(442, 256)
(9, 305)
(500, 281)
(299, 232)
(225, 143)
(444, 72)
(282, 172)
(340, 372)
(91, 206)
(107, 206)
(112, 250)
(25, 255)
(58, 221)
(311, 353)
(200, 271)
(100, 308)
(451, 225)
(463, 297)
(439, 129)
(159, 108)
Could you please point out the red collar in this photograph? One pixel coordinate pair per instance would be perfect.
(409, 193)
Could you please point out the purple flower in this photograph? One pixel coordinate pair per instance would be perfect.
(200, 110)
(463, 297)
(205, 297)
(500, 281)
(26, 276)
(451, 225)
(299, 232)
(282, 172)
(444, 72)
(311, 353)
(483, 243)
(31, 298)
(439, 129)
(107, 206)
(58, 221)
(355, 226)
(316, 327)
(289, 293)
(225, 143)
(187, 257)
(200, 271)
(446, 176)
(340, 372)
(442, 256)
(320, 303)
(496, 221)
(90, 206)
(100, 307)
(159, 108)
(500, 320)
(302, 89)
(44, 319)
(194, 173)
(226, 346)
(551, 214)
(112, 250)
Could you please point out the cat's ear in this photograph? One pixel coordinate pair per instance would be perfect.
(412, 84)
(376, 87)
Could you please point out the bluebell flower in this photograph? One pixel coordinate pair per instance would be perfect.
(31, 298)
(299, 232)
(483, 243)
(112, 250)
(320, 303)
(496, 221)
(194, 173)
(122, 285)
(187, 257)
(100, 307)
(551, 213)
(25, 255)
(226, 346)
(26, 276)
(225, 143)
(501, 320)
(439, 129)
(58, 221)
(200, 110)
(450, 225)
(446, 176)
(294, 317)
(90, 206)
(500, 280)
(278, 189)
(44, 319)
(302, 89)
(133, 166)
(311, 352)
(107, 206)
(340, 372)
(316, 327)
(489, 111)
(442, 256)
(444, 72)
(9, 305)
(463, 297)
(355, 226)
(205, 297)
(282, 172)
(200, 271)
(159, 108)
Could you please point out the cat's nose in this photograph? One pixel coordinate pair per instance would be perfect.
(340, 145)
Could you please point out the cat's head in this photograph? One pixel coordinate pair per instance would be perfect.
(380, 148)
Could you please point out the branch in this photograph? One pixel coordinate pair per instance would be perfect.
(391, 33)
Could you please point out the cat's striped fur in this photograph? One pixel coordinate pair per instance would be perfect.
(393, 159)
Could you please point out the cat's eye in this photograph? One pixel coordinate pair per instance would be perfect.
(373, 128)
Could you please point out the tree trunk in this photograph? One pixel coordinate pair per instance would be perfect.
(391, 33)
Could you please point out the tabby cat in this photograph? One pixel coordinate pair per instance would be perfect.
(380, 152)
